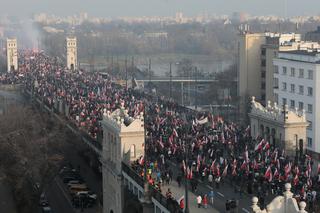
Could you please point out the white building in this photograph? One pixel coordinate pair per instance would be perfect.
(280, 126)
(123, 142)
(72, 55)
(12, 54)
(297, 84)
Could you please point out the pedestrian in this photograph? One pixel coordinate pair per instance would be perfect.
(179, 178)
(211, 196)
(210, 179)
(199, 201)
(205, 201)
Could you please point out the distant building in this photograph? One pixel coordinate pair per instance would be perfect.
(297, 84)
(313, 35)
(72, 55)
(12, 54)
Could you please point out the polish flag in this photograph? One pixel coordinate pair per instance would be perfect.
(225, 171)
(295, 180)
(141, 160)
(259, 146)
(243, 166)
(268, 173)
(212, 166)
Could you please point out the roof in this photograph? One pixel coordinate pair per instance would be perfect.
(301, 52)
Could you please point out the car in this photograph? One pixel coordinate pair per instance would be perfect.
(74, 182)
(46, 209)
(43, 200)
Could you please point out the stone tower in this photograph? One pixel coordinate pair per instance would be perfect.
(123, 142)
(72, 55)
(12, 54)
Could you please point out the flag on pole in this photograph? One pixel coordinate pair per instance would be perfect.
(225, 171)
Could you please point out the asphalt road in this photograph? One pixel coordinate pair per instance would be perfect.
(225, 192)
(58, 196)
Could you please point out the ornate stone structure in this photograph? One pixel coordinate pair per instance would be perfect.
(12, 54)
(123, 142)
(280, 126)
(281, 204)
(72, 55)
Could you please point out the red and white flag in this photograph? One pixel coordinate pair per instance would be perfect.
(141, 160)
(295, 180)
(268, 173)
(225, 171)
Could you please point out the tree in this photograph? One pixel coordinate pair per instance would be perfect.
(31, 148)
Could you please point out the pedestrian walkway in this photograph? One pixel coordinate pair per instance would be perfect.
(177, 193)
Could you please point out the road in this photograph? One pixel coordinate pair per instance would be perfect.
(57, 194)
(225, 192)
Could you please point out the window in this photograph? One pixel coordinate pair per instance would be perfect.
(263, 74)
(284, 101)
(292, 88)
(276, 83)
(132, 151)
(310, 74)
(310, 91)
(292, 104)
(310, 125)
(284, 70)
(276, 98)
(276, 69)
(263, 62)
(300, 105)
(284, 86)
(301, 73)
(263, 85)
(309, 142)
(310, 108)
(292, 72)
(301, 90)
(263, 51)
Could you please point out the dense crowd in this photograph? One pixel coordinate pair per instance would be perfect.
(206, 146)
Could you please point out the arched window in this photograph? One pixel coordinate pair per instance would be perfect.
(132, 151)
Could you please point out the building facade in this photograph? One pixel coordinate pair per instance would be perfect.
(12, 54)
(72, 55)
(249, 80)
(123, 142)
(297, 84)
(280, 126)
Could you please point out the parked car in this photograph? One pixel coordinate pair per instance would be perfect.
(46, 209)
(43, 200)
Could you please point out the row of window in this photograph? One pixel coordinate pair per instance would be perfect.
(293, 88)
(71, 44)
(300, 74)
(11, 45)
(300, 105)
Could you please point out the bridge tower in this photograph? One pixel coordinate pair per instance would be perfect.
(72, 55)
(123, 143)
(12, 54)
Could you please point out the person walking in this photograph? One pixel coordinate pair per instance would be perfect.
(211, 196)
(205, 201)
(199, 201)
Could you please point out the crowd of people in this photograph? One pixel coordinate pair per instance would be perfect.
(205, 146)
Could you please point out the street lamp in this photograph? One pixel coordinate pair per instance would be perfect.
(186, 145)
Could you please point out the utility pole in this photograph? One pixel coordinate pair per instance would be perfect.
(132, 67)
(125, 62)
(149, 70)
(112, 64)
(196, 88)
(170, 81)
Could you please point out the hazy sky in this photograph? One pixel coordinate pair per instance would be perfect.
(115, 8)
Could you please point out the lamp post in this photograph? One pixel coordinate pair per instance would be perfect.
(186, 145)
